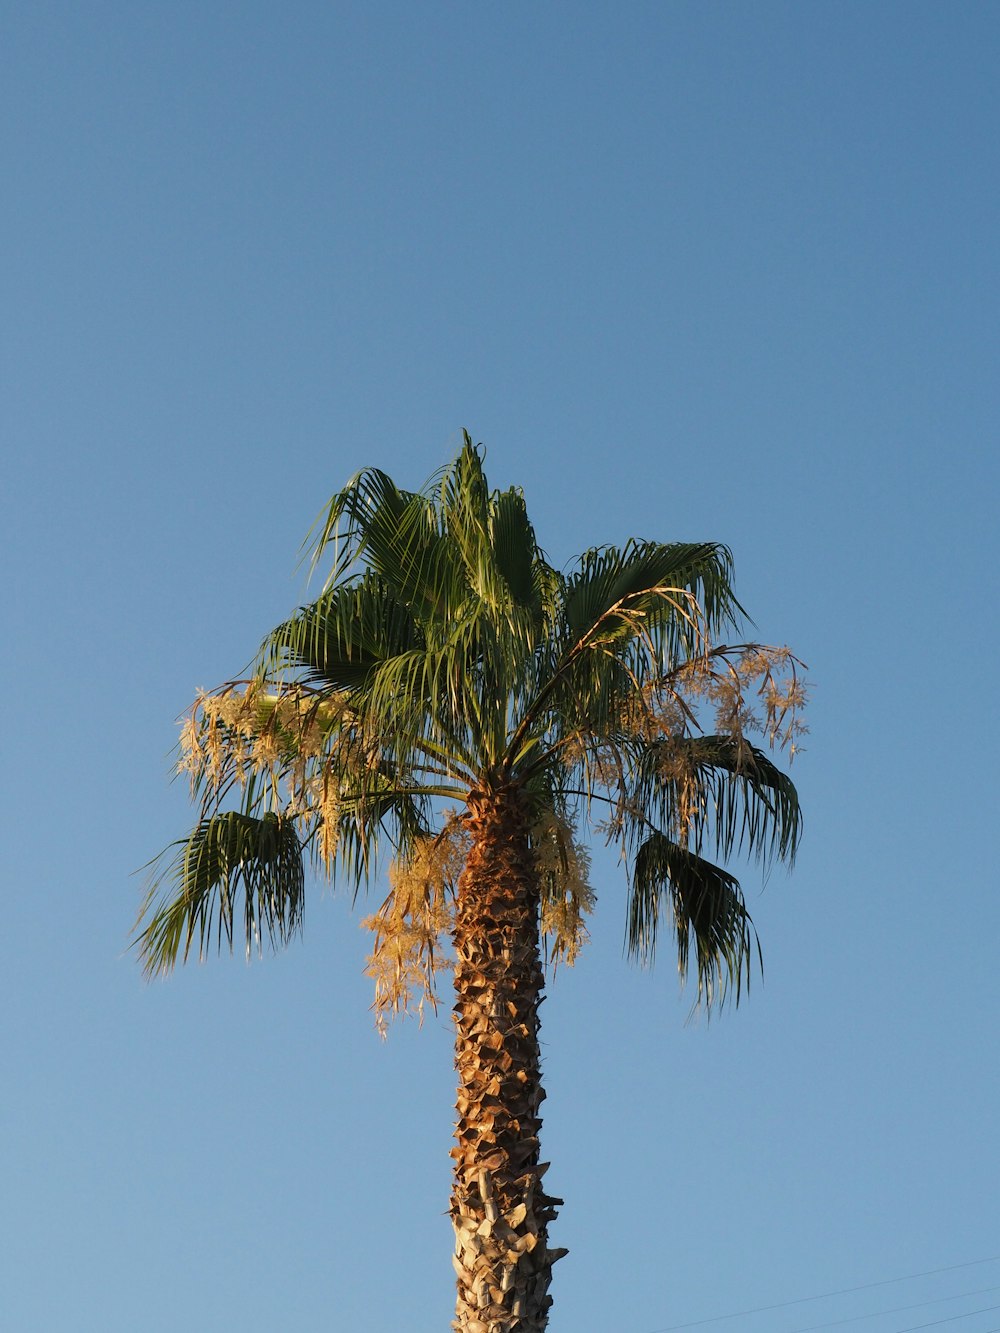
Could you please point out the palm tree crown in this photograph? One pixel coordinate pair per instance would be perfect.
(450, 692)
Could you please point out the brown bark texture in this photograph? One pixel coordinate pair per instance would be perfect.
(499, 1211)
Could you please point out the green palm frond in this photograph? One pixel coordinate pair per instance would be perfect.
(372, 817)
(627, 617)
(744, 802)
(354, 515)
(429, 695)
(464, 510)
(707, 908)
(517, 557)
(504, 566)
(343, 636)
(399, 535)
(614, 590)
(228, 856)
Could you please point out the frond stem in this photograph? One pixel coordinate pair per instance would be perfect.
(579, 647)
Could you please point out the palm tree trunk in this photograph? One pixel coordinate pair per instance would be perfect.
(498, 1208)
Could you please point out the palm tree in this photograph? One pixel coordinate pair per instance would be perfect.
(452, 697)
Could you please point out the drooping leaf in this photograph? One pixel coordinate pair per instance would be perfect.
(745, 802)
(230, 859)
(344, 635)
(707, 909)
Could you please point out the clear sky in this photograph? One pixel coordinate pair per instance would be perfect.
(720, 271)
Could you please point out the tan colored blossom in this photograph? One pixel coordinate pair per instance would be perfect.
(411, 925)
(563, 867)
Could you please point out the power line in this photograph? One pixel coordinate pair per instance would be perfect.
(824, 1295)
(896, 1309)
(950, 1319)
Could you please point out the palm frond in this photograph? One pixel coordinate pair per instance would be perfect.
(707, 908)
(369, 818)
(464, 507)
(741, 800)
(515, 551)
(628, 615)
(343, 636)
(346, 523)
(503, 567)
(614, 588)
(229, 856)
(397, 535)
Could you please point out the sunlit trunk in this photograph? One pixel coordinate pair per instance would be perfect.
(498, 1207)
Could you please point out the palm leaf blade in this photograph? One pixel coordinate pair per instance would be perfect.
(707, 907)
(227, 855)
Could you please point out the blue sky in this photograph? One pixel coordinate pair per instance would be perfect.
(691, 271)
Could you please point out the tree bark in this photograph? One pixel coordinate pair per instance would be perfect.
(498, 1208)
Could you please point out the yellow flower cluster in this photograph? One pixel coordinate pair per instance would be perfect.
(564, 870)
(241, 732)
(758, 691)
(410, 926)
